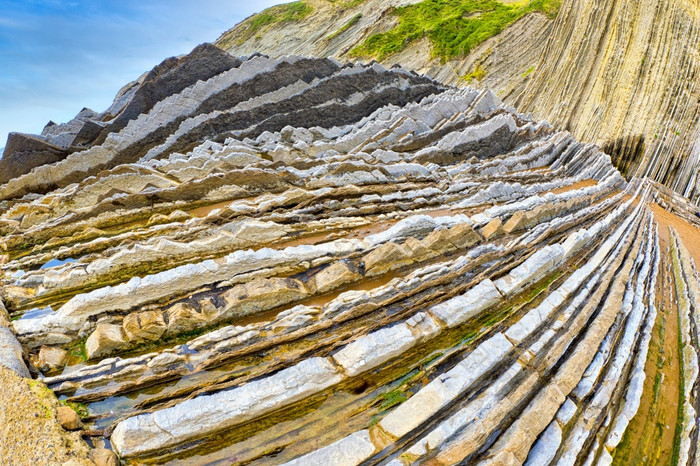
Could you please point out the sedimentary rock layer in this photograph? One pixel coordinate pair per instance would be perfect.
(621, 74)
(308, 262)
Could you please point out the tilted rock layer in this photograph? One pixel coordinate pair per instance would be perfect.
(621, 74)
(300, 261)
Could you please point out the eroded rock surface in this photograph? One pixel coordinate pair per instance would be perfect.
(298, 260)
(622, 75)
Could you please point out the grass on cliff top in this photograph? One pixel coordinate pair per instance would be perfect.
(278, 14)
(347, 4)
(455, 27)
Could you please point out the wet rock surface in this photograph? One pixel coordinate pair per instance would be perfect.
(298, 260)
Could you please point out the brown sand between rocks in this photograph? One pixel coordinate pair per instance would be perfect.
(29, 432)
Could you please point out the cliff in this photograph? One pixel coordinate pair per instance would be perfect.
(621, 74)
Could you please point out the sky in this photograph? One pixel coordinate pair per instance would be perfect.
(57, 57)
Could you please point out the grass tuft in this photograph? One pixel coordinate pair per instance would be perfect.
(77, 349)
(347, 4)
(477, 75)
(393, 398)
(80, 408)
(353, 21)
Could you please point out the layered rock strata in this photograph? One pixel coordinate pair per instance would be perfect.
(621, 74)
(299, 261)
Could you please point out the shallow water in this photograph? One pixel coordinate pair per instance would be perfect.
(37, 313)
(55, 263)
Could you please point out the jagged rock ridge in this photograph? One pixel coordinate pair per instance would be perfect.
(302, 261)
(622, 75)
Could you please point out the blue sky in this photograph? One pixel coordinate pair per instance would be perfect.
(57, 57)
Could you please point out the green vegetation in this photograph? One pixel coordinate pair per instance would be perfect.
(681, 397)
(353, 21)
(44, 397)
(543, 285)
(77, 349)
(393, 398)
(279, 14)
(347, 4)
(528, 72)
(682, 305)
(80, 408)
(477, 75)
(455, 27)
(659, 362)
(628, 449)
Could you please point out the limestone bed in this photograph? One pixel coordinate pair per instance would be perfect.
(298, 260)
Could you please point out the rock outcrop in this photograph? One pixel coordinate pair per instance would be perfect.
(24, 152)
(298, 260)
(622, 75)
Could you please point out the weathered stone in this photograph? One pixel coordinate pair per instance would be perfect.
(348, 451)
(546, 447)
(437, 241)
(386, 257)
(262, 294)
(144, 326)
(440, 391)
(4, 315)
(418, 249)
(11, 353)
(184, 317)
(378, 347)
(458, 310)
(462, 236)
(106, 339)
(104, 457)
(534, 268)
(517, 221)
(24, 152)
(68, 418)
(192, 418)
(336, 275)
(51, 358)
(493, 229)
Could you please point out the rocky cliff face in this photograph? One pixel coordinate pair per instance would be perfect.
(621, 74)
(302, 261)
(24, 152)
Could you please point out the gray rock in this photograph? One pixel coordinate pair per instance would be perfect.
(24, 152)
(446, 387)
(11, 352)
(348, 451)
(68, 418)
(194, 418)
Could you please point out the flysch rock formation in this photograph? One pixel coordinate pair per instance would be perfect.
(620, 74)
(302, 261)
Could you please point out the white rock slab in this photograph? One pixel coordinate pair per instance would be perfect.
(446, 387)
(348, 451)
(206, 414)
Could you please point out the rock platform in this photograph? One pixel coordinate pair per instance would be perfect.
(301, 261)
